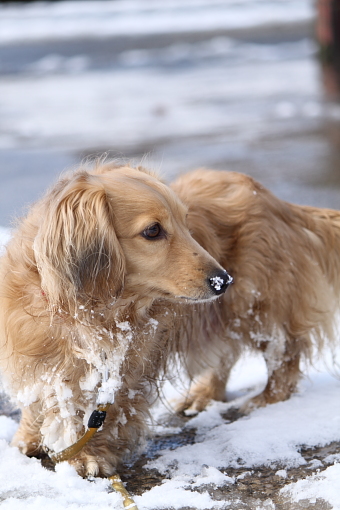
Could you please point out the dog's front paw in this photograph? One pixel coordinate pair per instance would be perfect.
(91, 465)
(191, 405)
(207, 388)
(27, 441)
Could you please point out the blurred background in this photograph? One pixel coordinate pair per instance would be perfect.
(245, 85)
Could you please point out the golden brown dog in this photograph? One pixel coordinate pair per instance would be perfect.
(88, 287)
(285, 260)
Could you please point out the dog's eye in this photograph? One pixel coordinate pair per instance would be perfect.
(155, 231)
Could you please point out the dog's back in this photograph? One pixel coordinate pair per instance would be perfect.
(285, 264)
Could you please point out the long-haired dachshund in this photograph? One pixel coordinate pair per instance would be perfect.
(89, 285)
(285, 260)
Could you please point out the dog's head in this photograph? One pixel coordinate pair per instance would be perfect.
(120, 232)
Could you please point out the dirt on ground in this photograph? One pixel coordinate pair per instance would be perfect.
(254, 489)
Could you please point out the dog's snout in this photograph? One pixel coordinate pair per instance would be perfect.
(220, 282)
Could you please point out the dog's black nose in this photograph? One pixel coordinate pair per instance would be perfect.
(220, 282)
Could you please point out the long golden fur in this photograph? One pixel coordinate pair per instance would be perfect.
(88, 292)
(285, 260)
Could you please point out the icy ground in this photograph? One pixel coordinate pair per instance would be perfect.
(270, 437)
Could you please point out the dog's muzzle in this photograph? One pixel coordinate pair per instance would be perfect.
(220, 282)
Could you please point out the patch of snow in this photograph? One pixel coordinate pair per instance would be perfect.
(211, 475)
(8, 428)
(216, 282)
(55, 63)
(130, 116)
(26, 485)
(124, 326)
(268, 436)
(271, 436)
(68, 20)
(91, 380)
(244, 475)
(175, 494)
(315, 464)
(324, 485)
(29, 394)
(206, 420)
(5, 235)
(332, 459)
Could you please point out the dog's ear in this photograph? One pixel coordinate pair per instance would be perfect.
(77, 252)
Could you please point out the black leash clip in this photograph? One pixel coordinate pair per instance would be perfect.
(96, 419)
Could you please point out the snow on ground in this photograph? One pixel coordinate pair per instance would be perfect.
(117, 114)
(324, 485)
(62, 20)
(269, 436)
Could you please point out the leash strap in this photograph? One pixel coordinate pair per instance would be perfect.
(117, 484)
(96, 420)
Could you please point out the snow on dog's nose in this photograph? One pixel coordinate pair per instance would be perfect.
(220, 282)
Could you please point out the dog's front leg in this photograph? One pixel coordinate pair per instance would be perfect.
(28, 437)
(208, 386)
(123, 428)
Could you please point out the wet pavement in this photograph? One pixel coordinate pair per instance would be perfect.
(250, 100)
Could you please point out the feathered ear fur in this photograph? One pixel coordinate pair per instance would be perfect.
(77, 252)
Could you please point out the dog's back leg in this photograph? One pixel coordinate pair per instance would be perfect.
(283, 377)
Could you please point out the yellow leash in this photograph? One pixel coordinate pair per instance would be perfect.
(117, 484)
(96, 420)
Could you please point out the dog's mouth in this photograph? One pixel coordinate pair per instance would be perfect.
(188, 299)
(217, 285)
(197, 299)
